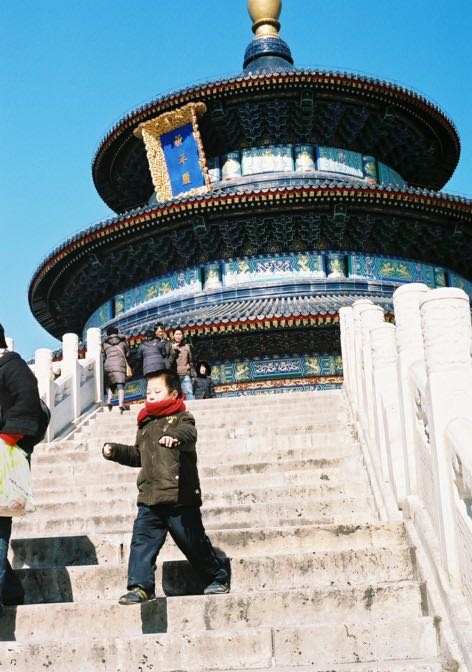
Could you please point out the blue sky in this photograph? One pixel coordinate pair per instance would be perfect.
(69, 70)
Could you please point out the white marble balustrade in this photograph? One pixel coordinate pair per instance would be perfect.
(409, 389)
(72, 386)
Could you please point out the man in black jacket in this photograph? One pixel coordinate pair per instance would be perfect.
(20, 423)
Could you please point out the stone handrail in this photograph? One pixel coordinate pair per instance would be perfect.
(409, 390)
(79, 385)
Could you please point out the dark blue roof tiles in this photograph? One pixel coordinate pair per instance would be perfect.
(249, 310)
(261, 73)
(220, 189)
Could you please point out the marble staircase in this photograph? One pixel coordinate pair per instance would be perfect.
(318, 581)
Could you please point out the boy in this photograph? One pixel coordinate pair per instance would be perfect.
(169, 491)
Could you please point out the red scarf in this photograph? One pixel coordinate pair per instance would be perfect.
(11, 439)
(161, 409)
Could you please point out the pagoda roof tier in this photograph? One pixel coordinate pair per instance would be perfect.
(389, 122)
(265, 311)
(119, 253)
(240, 328)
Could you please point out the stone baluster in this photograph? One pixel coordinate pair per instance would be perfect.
(70, 366)
(447, 335)
(406, 302)
(10, 343)
(94, 351)
(370, 316)
(346, 320)
(358, 388)
(44, 375)
(387, 406)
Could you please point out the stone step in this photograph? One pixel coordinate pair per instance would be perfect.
(315, 570)
(295, 397)
(254, 416)
(344, 642)
(208, 454)
(234, 404)
(42, 552)
(329, 644)
(88, 518)
(250, 417)
(97, 471)
(97, 619)
(275, 490)
(229, 431)
(417, 665)
(280, 475)
(243, 445)
(112, 473)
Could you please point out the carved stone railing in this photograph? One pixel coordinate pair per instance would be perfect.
(409, 390)
(73, 386)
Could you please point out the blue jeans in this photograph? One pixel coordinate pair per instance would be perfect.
(187, 387)
(186, 528)
(11, 590)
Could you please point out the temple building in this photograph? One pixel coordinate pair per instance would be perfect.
(250, 209)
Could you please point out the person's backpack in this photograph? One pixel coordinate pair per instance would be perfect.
(44, 421)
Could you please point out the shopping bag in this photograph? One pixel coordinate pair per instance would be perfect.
(16, 497)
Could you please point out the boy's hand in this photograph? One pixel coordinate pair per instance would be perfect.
(107, 450)
(168, 441)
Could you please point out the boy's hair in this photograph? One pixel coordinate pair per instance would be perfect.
(111, 331)
(171, 379)
(160, 325)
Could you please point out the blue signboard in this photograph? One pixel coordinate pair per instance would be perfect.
(182, 159)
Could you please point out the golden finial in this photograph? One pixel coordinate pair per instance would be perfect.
(265, 15)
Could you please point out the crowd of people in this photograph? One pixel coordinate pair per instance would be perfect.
(160, 351)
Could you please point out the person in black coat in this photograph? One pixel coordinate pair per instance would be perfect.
(20, 424)
(203, 387)
(152, 354)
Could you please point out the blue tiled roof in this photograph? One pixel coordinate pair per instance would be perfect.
(248, 310)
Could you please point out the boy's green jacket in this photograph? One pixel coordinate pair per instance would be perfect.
(167, 475)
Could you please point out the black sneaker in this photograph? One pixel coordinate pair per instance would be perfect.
(216, 588)
(136, 595)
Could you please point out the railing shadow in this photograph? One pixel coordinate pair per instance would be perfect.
(40, 575)
(41, 569)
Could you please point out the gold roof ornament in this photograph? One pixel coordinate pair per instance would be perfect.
(265, 16)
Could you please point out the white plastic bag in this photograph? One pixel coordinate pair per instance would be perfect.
(16, 497)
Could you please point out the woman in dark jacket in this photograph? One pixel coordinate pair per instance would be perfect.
(203, 387)
(115, 353)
